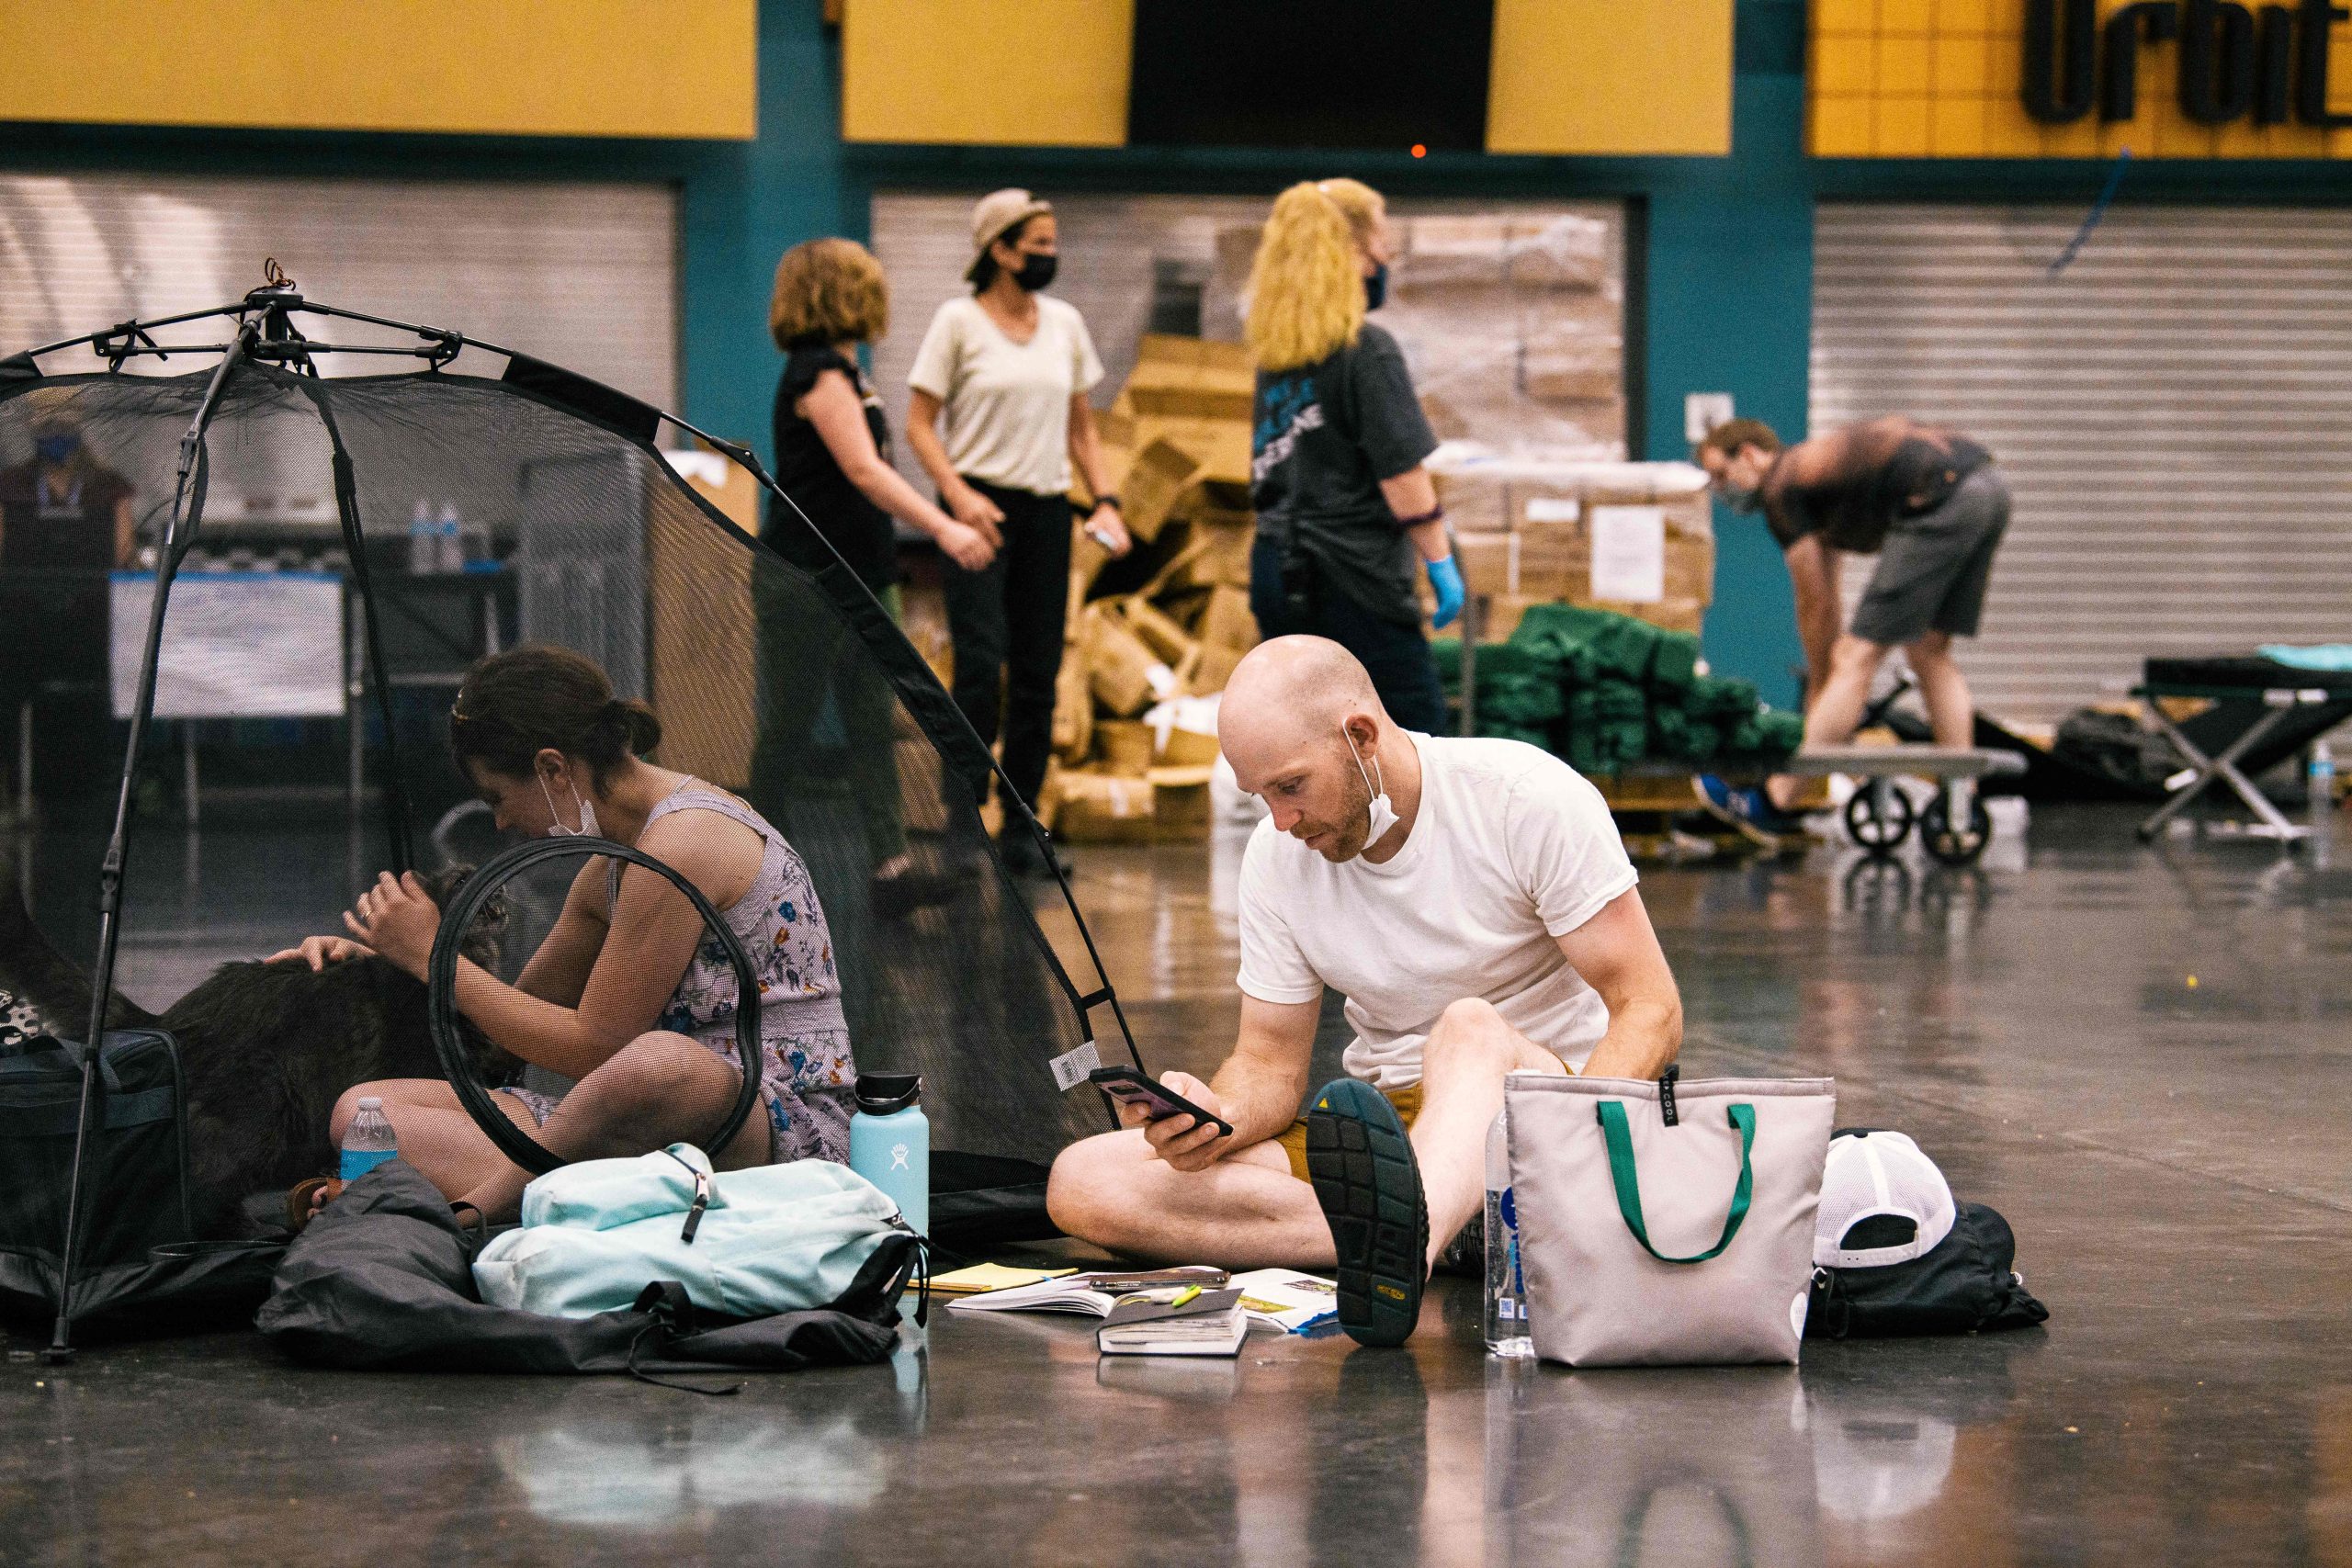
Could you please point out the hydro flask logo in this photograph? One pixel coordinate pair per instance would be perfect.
(899, 1157)
(2234, 60)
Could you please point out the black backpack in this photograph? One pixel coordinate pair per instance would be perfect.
(1964, 1285)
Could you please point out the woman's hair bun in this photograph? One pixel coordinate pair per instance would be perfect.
(634, 724)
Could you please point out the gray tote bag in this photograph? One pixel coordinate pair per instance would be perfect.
(1666, 1230)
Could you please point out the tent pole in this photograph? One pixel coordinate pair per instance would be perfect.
(188, 510)
(354, 545)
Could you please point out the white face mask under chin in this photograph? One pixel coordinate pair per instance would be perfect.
(556, 829)
(1384, 815)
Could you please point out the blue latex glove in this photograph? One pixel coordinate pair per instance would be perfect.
(1446, 579)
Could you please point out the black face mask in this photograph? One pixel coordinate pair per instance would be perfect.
(1036, 272)
(1375, 287)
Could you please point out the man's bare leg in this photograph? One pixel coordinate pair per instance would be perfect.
(1462, 1068)
(1952, 713)
(1245, 1212)
(1248, 1211)
(1837, 712)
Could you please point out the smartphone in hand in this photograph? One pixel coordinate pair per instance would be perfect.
(1129, 1087)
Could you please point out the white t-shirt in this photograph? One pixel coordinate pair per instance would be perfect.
(1004, 406)
(1511, 849)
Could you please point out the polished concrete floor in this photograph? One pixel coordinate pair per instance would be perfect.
(2142, 1056)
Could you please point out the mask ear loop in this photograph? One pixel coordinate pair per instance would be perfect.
(555, 819)
(1377, 790)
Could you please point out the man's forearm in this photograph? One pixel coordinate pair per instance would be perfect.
(1643, 1036)
(1259, 1106)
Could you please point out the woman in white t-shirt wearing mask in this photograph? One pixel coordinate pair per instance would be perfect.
(999, 415)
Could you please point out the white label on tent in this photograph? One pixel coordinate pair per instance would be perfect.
(236, 644)
(1554, 509)
(1629, 554)
(1071, 1067)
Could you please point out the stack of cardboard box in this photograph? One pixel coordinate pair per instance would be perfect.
(1153, 637)
(1525, 532)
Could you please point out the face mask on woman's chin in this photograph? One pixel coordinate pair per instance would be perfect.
(556, 829)
(1036, 272)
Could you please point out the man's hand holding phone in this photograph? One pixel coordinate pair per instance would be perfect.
(1183, 1139)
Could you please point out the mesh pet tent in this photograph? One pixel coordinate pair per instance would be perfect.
(794, 690)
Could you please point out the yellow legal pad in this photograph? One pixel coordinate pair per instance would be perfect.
(990, 1277)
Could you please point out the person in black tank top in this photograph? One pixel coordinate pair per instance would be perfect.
(1928, 503)
(831, 450)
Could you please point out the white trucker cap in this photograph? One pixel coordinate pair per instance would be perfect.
(1882, 1202)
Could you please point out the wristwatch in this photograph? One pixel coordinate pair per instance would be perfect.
(1113, 502)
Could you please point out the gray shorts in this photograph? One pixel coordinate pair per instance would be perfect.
(1933, 568)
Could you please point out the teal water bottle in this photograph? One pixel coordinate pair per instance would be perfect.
(889, 1143)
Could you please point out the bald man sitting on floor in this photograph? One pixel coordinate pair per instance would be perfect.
(1472, 900)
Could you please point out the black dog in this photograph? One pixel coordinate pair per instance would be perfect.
(266, 1049)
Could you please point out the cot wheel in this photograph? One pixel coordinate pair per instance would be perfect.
(1879, 819)
(1951, 844)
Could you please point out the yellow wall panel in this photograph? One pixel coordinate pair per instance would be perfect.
(1915, 18)
(492, 67)
(1901, 130)
(1841, 128)
(1960, 67)
(1956, 130)
(1902, 65)
(1842, 65)
(1939, 67)
(1008, 72)
(1601, 76)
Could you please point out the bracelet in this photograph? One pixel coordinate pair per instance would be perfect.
(1112, 502)
(1434, 515)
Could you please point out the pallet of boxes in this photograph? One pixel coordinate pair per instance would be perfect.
(1589, 584)
(1154, 637)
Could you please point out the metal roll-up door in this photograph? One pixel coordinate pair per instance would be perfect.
(582, 274)
(2173, 411)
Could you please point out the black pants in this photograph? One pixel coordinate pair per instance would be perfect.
(1395, 656)
(1007, 624)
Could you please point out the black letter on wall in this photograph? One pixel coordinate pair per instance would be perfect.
(2216, 60)
(2311, 69)
(2068, 97)
(2277, 50)
(2119, 88)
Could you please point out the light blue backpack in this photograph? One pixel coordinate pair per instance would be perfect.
(748, 1243)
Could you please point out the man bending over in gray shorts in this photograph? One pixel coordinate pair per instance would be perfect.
(1928, 503)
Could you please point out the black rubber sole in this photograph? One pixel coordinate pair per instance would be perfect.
(1370, 1191)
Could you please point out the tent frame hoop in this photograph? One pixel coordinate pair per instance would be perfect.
(270, 335)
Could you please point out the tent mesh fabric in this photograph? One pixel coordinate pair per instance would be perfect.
(794, 691)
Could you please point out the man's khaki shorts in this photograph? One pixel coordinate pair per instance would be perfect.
(1408, 1101)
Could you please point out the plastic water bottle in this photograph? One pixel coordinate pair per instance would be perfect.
(889, 1143)
(449, 540)
(1506, 1312)
(423, 554)
(367, 1142)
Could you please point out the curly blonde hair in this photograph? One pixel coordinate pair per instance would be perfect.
(828, 291)
(1305, 287)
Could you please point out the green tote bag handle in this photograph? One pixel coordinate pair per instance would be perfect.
(1629, 1185)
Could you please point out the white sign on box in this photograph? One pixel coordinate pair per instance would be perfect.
(1629, 554)
(236, 644)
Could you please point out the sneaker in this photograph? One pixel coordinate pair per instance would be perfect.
(1370, 1190)
(1749, 809)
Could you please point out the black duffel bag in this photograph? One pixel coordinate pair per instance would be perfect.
(1966, 1282)
(139, 1259)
